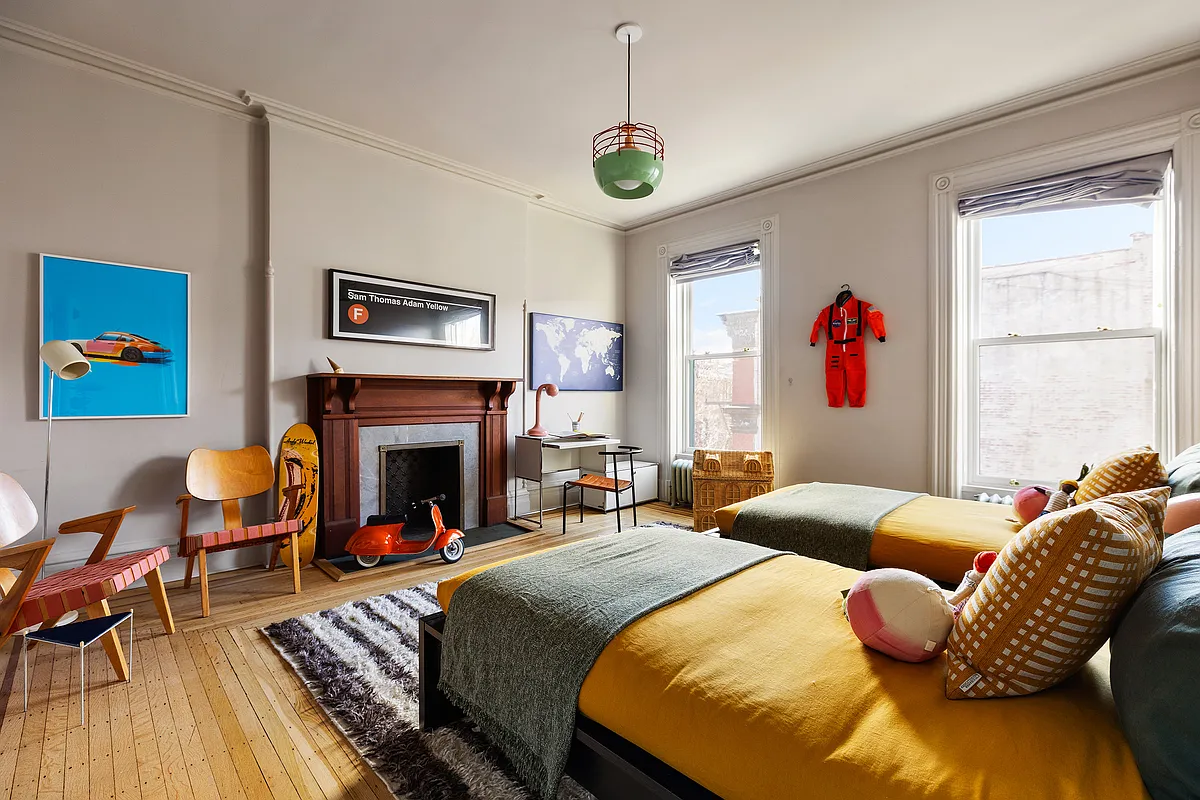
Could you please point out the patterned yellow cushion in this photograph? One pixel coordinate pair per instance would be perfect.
(1050, 600)
(1129, 471)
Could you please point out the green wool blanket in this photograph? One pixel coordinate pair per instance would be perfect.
(832, 522)
(521, 637)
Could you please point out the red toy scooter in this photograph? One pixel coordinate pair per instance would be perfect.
(407, 533)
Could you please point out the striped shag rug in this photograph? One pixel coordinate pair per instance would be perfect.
(360, 662)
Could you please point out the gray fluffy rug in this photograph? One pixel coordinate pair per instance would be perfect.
(360, 662)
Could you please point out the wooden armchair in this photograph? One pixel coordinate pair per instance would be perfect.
(229, 476)
(28, 602)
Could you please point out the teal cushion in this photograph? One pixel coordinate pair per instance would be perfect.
(1183, 472)
(1155, 655)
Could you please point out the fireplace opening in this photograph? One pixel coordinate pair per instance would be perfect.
(412, 472)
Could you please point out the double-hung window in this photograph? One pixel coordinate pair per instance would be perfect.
(1066, 288)
(718, 299)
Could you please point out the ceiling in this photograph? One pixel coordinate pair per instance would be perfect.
(740, 91)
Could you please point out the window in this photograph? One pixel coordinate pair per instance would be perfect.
(1066, 329)
(720, 327)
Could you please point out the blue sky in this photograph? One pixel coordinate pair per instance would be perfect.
(1019, 238)
(737, 292)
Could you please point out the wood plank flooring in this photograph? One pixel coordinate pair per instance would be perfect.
(212, 711)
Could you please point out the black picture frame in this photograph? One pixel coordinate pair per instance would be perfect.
(411, 308)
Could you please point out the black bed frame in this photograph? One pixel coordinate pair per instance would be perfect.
(602, 762)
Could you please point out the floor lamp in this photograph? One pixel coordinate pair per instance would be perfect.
(66, 362)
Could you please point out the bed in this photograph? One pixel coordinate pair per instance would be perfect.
(935, 536)
(755, 688)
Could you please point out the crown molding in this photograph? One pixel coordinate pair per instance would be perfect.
(1135, 73)
(278, 111)
(254, 107)
(36, 42)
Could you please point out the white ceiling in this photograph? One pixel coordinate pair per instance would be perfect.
(740, 91)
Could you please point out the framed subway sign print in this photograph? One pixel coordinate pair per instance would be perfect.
(379, 309)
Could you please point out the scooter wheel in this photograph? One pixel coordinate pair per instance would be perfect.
(453, 551)
(366, 562)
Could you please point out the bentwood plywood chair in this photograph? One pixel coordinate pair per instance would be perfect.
(229, 476)
(28, 602)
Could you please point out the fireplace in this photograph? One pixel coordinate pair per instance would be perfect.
(414, 471)
(355, 414)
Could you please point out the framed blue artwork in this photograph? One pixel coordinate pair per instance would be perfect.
(576, 354)
(133, 325)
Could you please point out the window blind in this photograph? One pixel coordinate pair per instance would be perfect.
(730, 258)
(1130, 181)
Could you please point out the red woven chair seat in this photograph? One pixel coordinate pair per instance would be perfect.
(233, 538)
(77, 588)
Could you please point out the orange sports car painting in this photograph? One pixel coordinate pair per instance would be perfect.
(122, 346)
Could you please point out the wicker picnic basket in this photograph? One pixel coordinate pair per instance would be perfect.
(722, 477)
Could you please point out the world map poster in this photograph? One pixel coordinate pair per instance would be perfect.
(576, 354)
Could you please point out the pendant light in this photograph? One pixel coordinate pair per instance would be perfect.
(627, 159)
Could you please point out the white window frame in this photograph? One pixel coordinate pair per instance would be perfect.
(672, 405)
(975, 482)
(682, 308)
(952, 288)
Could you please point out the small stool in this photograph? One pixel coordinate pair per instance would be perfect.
(77, 634)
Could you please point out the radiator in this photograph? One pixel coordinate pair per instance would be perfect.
(681, 481)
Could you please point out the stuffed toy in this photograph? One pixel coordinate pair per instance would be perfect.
(970, 582)
(900, 614)
(1030, 502)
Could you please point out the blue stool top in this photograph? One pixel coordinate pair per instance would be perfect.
(85, 630)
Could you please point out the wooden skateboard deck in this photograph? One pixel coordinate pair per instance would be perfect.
(299, 483)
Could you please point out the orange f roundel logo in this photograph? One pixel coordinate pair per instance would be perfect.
(357, 313)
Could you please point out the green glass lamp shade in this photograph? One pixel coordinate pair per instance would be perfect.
(628, 174)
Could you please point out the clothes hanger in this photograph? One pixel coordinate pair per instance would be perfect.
(843, 295)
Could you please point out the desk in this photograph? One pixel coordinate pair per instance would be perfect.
(538, 457)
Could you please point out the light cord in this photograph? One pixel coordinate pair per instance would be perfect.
(628, 79)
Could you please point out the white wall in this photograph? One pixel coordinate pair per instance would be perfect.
(570, 273)
(338, 204)
(97, 169)
(868, 227)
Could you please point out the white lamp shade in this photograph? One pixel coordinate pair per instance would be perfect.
(64, 360)
(17, 514)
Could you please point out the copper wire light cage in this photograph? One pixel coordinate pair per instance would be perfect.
(626, 136)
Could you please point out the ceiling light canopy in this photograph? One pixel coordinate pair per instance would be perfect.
(627, 159)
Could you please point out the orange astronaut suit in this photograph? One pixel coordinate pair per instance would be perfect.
(845, 351)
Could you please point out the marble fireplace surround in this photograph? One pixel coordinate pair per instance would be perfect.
(371, 439)
(352, 414)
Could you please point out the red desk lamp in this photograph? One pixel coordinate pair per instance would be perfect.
(537, 429)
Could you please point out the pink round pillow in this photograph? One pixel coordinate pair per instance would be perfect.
(1030, 501)
(900, 614)
(1182, 513)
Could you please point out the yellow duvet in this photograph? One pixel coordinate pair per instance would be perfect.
(935, 536)
(756, 688)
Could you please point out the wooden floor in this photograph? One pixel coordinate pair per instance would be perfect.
(211, 711)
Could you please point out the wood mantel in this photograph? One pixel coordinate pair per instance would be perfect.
(340, 403)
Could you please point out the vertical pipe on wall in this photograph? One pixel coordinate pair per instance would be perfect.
(524, 390)
(268, 299)
(269, 315)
